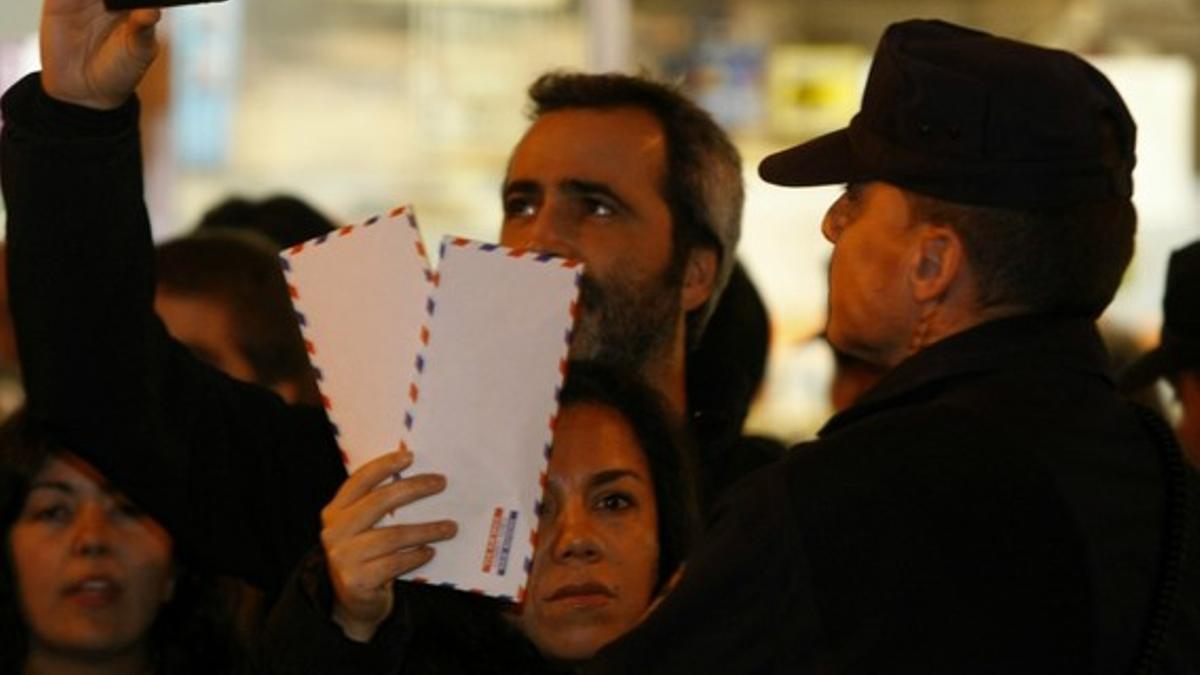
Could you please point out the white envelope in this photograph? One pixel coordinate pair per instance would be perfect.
(465, 373)
(359, 293)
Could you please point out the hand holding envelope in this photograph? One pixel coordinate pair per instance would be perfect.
(460, 366)
(365, 560)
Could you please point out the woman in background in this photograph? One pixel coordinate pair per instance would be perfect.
(89, 583)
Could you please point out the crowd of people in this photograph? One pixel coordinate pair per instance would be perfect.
(984, 501)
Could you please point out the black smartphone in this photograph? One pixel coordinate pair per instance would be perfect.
(137, 4)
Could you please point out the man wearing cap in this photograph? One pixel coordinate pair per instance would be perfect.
(1177, 357)
(991, 505)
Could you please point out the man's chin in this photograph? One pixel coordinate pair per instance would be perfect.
(624, 327)
(588, 346)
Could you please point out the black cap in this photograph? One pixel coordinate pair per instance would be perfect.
(964, 116)
(1179, 346)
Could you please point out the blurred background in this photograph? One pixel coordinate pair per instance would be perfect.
(359, 105)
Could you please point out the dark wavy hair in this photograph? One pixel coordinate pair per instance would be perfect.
(190, 634)
(669, 453)
(285, 219)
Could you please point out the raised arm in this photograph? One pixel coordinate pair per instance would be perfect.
(238, 477)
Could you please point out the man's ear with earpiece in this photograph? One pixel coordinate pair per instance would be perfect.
(699, 277)
(938, 261)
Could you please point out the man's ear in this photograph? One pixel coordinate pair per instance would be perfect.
(699, 276)
(937, 261)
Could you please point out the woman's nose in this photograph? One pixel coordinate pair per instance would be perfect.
(92, 531)
(575, 538)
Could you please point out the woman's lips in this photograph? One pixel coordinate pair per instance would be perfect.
(95, 591)
(589, 593)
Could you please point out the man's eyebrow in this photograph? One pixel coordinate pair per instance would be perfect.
(612, 475)
(576, 187)
(521, 185)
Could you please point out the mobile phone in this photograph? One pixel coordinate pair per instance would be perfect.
(115, 5)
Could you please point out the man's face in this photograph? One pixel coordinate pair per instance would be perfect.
(871, 315)
(586, 183)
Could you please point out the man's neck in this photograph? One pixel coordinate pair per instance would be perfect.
(667, 374)
(952, 320)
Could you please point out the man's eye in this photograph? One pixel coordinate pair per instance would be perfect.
(596, 207)
(519, 207)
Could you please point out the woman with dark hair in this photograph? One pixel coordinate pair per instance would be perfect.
(88, 582)
(618, 515)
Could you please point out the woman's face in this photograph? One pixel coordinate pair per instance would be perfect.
(596, 562)
(92, 570)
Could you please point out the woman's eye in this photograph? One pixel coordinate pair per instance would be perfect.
(614, 502)
(54, 513)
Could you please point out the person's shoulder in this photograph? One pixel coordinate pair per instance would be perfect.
(878, 435)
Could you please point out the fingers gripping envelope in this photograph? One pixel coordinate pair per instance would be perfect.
(462, 366)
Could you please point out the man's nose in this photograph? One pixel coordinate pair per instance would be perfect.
(835, 220)
(828, 228)
(549, 231)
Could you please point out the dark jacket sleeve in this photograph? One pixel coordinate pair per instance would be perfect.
(236, 476)
(301, 637)
(431, 630)
(743, 602)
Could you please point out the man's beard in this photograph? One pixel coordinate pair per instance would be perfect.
(624, 324)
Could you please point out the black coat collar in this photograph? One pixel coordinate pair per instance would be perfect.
(1024, 341)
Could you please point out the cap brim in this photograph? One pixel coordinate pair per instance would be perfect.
(1151, 366)
(825, 160)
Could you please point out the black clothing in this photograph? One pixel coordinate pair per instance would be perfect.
(990, 507)
(431, 630)
(724, 373)
(719, 395)
(235, 475)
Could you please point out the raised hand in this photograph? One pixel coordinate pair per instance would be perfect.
(93, 57)
(364, 561)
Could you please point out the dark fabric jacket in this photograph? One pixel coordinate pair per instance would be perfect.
(990, 507)
(237, 476)
(431, 630)
(226, 466)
